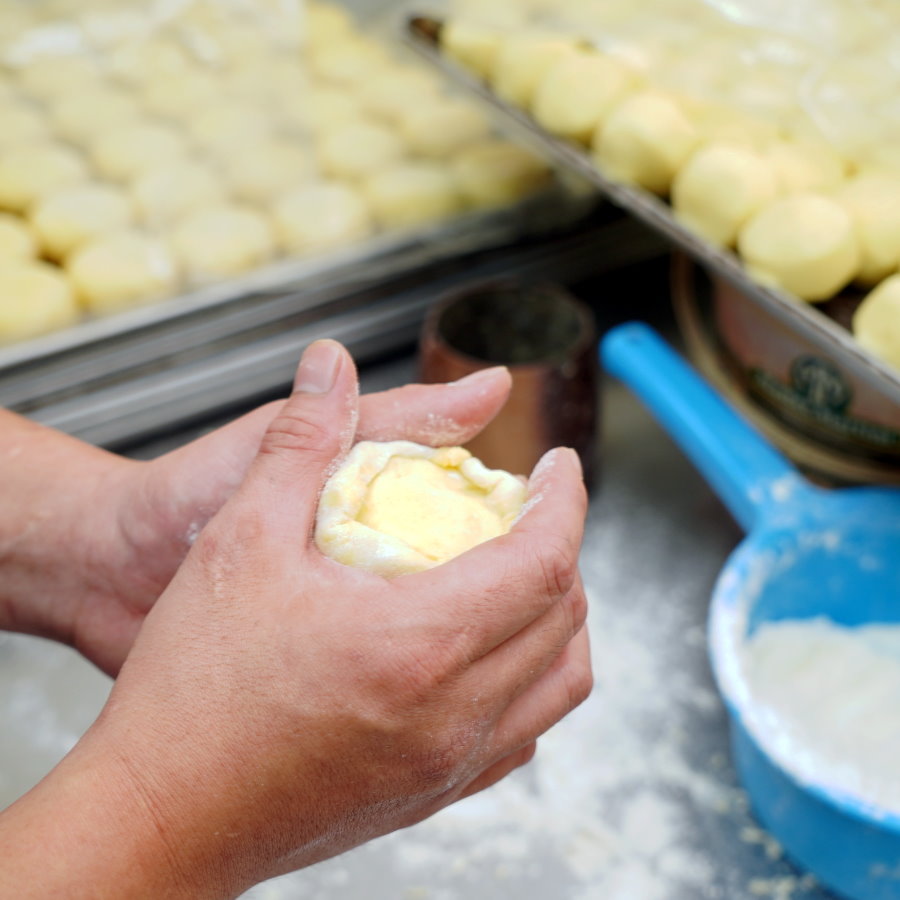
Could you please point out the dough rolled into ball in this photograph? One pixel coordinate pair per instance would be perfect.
(260, 171)
(496, 173)
(719, 188)
(125, 153)
(873, 201)
(393, 93)
(645, 141)
(411, 194)
(876, 322)
(179, 96)
(29, 172)
(440, 129)
(169, 191)
(35, 298)
(78, 117)
(51, 76)
(521, 63)
(121, 270)
(66, 219)
(348, 61)
(399, 507)
(324, 23)
(357, 151)
(222, 241)
(228, 127)
(802, 166)
(16, 239)
(804, 243)
(20, 122)
(471, 44)
(320, 217)
(578, 92)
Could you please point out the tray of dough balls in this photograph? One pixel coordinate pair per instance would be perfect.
(763, 144)
(163, 159)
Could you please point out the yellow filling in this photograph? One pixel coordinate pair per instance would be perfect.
(435, 510)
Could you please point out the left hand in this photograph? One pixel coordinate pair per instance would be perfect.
(161, 506)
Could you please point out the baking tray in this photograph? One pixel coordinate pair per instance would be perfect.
(422, 32)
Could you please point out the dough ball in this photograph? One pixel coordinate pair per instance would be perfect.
(471, 44)
(125, 153)
(31, 171)
(876, 323)
(51, 76)
(719, 188)
(399, 507)
(804, 243)
(803, 166)
(222, 241)
(578, 92)
(873, 201)
(357, 151)
(440, 129)
(324, 109)
(645, 141)
(177, 96)
(397, 92)
(120, 270)
(411, 194)
(78, 117)
(325, 23)
(66, 219)
(262, 170)
(319, 217)
(35, 298)
(143, 59)
(168, 191)
(230, 126)
(496, 173)
(16, 239)
(349, 61)
(267, 81)
(21, 122)
(521, 63)
(716, 122)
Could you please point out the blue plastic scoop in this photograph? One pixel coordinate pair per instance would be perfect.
(809, 552)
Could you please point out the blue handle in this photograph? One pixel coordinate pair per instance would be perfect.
(741, 466)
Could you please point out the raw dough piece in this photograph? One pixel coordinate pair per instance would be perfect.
(31, 171)
(411, 194)
(127, 152)
(645, 141)
(400, 507)
(716, 122)
(221, 241)
(804, 243)
(439, 129)
(319, 217)
(719, 188)
(78, 117)
(802, 166)
(16, 239)
(66, 219)
(356, 151)
(324, 109)
(521, 63)
(876, 322)
(171, 190)
(348, 61)
(578, 92)
(176, 96)
(497, 173)
(121, 270)
(34, 298)
(57, 75)
(395, 93)
(325, 23)
(471, 44)
(260, 171)
(226, 127)
(20, 122)
(873, 201)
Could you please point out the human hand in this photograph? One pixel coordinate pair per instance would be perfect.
(159, 507)
(279, 708)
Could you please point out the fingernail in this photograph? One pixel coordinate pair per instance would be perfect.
(480, 376)
(318, 368)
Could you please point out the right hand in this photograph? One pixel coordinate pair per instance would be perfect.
(279, 708)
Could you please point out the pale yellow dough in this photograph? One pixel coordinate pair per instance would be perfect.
(496, 173)
(876, 323)
(259, 172)
(171, 190)
(20, 122)
(399, 507)
(126, 152)
(78, 117)
(34, 298)
(16, 239)
(320, 216)
(410, 194)
(437, 129)
(522, 61)
(31, 171)
(357, 151)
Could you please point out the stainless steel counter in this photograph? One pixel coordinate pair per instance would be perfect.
(631, 798)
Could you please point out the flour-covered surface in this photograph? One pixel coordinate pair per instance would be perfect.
(631, 798)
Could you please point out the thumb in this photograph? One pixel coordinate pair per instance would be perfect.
(316, 426)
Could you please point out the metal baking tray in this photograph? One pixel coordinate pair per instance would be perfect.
(422, 32)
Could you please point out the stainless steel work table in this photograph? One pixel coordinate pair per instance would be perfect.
(631, 798)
